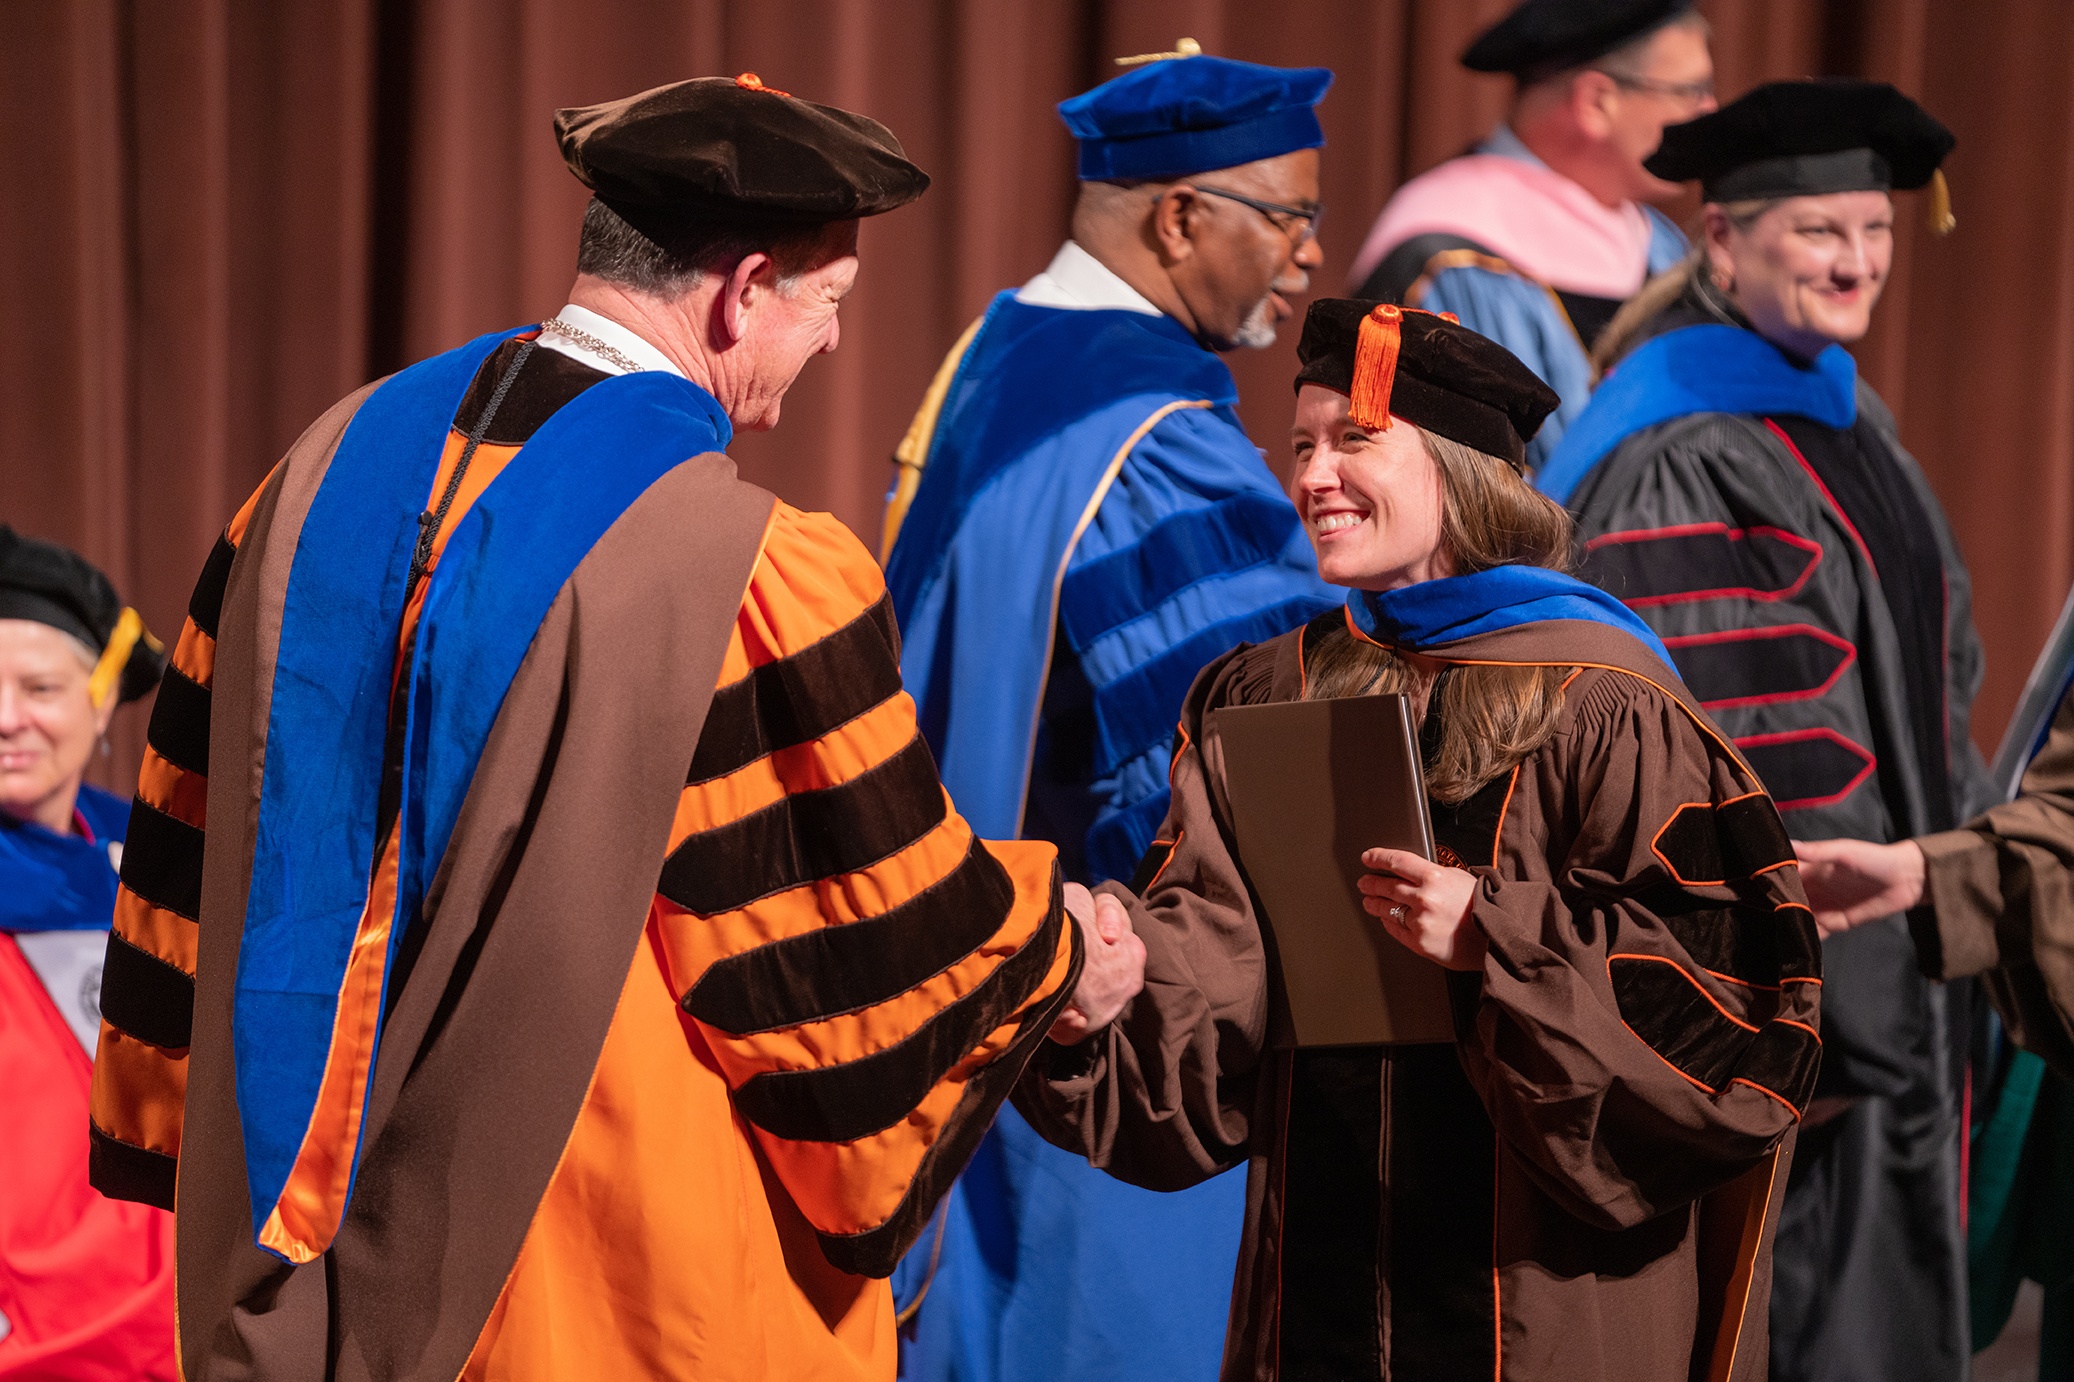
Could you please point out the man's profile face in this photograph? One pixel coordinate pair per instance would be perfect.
(791, 323)
(1249, 265)
(1670, 81)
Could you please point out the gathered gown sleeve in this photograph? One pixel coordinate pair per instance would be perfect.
(1163, 1097)
(867, 974)
(1646, 1027)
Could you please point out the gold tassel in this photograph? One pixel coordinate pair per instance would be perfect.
(1185, 48)
(1941, 218)
(106, 680)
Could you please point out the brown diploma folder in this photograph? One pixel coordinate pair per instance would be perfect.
(1313, 784)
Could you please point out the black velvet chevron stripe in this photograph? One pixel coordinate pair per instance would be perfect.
(1760, 668)
(205, 607)
(162, 860)
(1697, 562)
(1666, 1007)
(842, 1103)
(1784, 1059)
(808, 836)
(797, 699)
(1743, 941)
(180, 722)
(1804, 768)
(123, 1171)
(151, 1000)
(877, 1251)
(839, 969)
(1708, 844)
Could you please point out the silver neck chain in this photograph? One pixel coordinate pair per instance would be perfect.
(594, 345)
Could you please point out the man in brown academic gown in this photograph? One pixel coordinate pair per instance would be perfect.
(545, 948)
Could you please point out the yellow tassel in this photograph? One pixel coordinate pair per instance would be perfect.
(107, 674)
(1185, 48)
(1375, 367)
(1941, 218)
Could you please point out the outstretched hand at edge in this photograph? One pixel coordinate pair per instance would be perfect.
(1851, 882)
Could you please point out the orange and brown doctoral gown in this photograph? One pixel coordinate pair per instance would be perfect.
(708, 1000)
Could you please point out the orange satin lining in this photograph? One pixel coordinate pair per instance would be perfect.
(306, 1217)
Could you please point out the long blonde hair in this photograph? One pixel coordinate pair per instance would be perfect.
(1491, 718)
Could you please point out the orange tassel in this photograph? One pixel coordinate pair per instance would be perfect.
(1375, 367)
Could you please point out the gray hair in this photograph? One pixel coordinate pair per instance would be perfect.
(614, 249)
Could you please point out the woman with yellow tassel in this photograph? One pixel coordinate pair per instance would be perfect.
(1741, 488)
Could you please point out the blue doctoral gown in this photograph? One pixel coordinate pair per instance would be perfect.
(1092, 526)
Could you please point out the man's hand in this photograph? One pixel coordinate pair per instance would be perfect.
(1111, 975)
(1424, 907)
(1851, 882)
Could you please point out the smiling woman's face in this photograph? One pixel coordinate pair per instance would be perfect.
(1372, 502)
(1808, 270)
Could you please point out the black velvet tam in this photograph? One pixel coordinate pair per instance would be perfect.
(48, 584)
(1448, 379)
(1806, 138)
(1543, 36)
(733, 148)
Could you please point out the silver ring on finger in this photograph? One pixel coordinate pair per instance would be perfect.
(1397, 912)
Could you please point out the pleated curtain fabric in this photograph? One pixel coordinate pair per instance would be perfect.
(224, 214)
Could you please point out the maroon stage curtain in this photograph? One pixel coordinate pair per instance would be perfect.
(220, 215)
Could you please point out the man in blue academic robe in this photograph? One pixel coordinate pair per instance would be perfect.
(1079, 524)
(1539, 234)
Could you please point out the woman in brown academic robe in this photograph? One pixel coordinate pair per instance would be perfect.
(1582, 1186)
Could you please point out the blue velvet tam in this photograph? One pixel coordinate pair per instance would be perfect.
(1191, 115)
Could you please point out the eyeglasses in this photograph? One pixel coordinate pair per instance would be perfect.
(1688, 93)
(1308, 220)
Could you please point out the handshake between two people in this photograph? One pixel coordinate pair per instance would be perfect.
(1424, 906)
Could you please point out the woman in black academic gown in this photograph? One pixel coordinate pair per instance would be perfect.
(1746, 493)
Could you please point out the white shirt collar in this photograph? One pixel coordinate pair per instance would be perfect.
(1076, 279)
(622, 339)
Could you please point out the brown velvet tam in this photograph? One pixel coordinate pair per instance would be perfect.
(1428, 369)
(733, 148)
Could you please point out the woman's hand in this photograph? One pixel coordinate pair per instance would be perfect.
(1424, 906)
(1112, 973)
(1851, 882)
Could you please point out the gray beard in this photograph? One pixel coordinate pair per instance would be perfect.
(1257, 332)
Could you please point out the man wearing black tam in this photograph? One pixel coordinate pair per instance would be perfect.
(1742, 488)
(1536, 236)
(1579, 1187)
(546, 948)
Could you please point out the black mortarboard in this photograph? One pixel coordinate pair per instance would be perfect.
(1551, 35)
(49, 584)
(734, 149)
(1426, 368)
(1806, 138)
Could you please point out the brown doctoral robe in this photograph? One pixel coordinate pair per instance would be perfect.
(2000, 895)
(1583, 1186)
